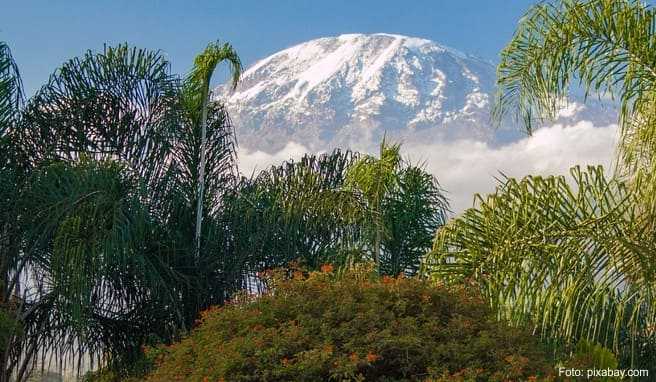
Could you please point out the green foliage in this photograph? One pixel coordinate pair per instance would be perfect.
(198, 81)
(608, 46)
(11, 177)
(591, 354)
(402, 206)
(319, 326)
(374, 178)
(9, 328)
(11, 89)
(196, 99)
(411, 213)
(102, 286)
(121, 103)
(313, 211)
(569, 258)
(297, 211)
(102, 168)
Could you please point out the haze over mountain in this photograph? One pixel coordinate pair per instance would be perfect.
(347, 91)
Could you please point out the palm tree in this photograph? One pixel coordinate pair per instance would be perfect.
(403, 207)
(11, 176)
(297, 211)
(374, 178)
(110, 149)
(569, 257)
(305, 211)
(96, 141)
(604, 46)
(411, 213)
(197, 97)
(11, 99)
(575, 259)
(11, 90)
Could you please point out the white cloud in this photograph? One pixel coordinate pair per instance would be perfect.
(466, 167)
(254, 161)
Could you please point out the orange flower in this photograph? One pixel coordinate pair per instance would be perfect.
(285, 361)
(387, 280)
(327, 268)
(372, 357)
(353, 357)
(298, 275)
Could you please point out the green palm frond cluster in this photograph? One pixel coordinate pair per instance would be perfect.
(11, 93)
(123, 214)
(196, 99)
(402, 205)
(297, 211)
(604, 46)
(411, 212)
(373, 178)
(566, 256)
(11, 101)
(99, 185)
(312, 210)
(198, 80)
(574, 258)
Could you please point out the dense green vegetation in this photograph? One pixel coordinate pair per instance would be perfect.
(354, 327)
(313, 211)
(123, 216)
(553, 253)
(575, 259)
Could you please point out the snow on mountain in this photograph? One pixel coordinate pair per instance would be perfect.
(351, 89)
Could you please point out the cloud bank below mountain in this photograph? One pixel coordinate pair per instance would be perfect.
(465, 167)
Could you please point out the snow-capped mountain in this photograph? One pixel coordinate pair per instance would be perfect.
(351, 89)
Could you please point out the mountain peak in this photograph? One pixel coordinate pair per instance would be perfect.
(349, 90)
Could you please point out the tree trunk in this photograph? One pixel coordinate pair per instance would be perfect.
(377, 242)
(201, 175)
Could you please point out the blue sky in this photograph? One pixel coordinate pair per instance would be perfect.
(44, 33)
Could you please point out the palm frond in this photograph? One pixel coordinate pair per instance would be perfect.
(196, 100)
(11, 89)
(412, 213)
(120, 104)
(94, 261)
(198, 80)
(296, 212)
(569, 258)
(604, 46)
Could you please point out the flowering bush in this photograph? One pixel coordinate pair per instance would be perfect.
(320, 326)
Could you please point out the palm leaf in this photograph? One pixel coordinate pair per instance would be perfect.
(604, 46)
(569, 258)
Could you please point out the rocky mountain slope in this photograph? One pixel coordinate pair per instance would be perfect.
(349, 90)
